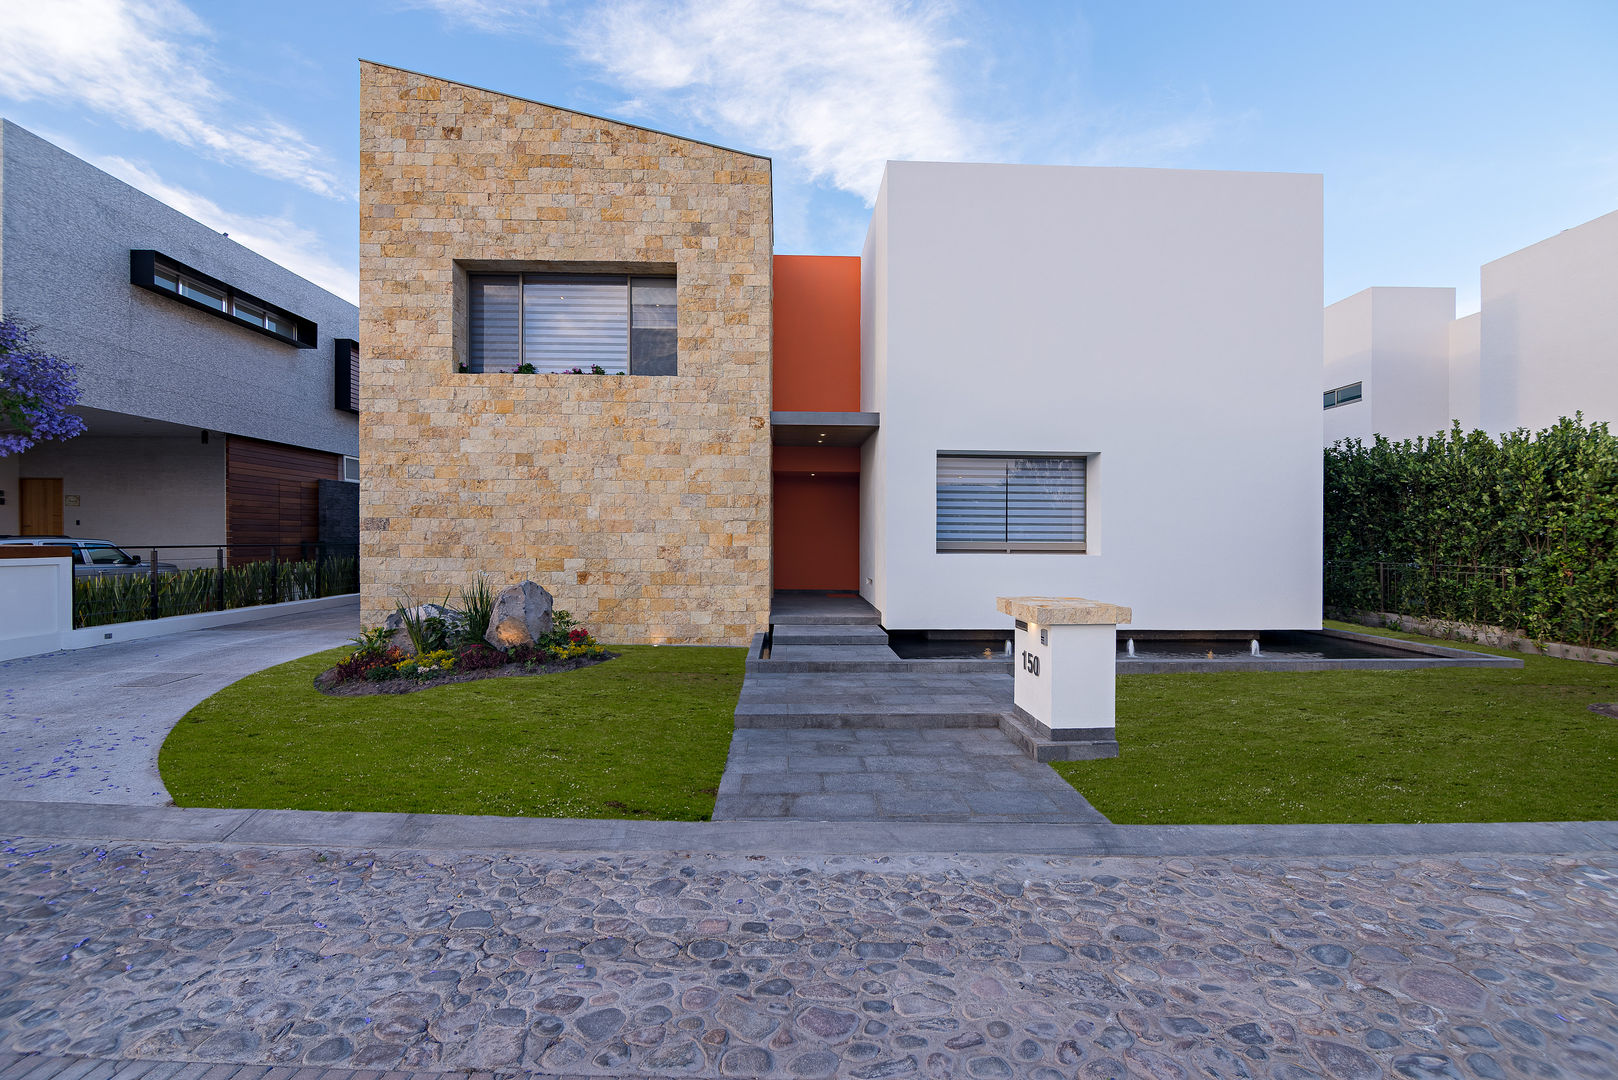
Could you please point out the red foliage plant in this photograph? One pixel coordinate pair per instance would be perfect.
(480, 658)
(531, 653)
(357, 665)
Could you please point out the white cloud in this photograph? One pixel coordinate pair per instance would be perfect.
(840, 85)
(140, 62)
(490, 15)
(278, 239)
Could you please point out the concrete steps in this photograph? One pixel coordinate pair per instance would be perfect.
(811, 618)
(828, 634)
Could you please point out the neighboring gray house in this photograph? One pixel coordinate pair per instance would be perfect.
(219, 388)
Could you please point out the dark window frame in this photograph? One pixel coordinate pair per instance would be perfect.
(145, 263)
(628, 278)
(346, 374)
(1332, 399)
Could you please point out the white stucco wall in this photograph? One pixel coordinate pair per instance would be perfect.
(1347, 333)
(1410, 356)
(873, 398)
(1550, 330)
(1167, 322)
(138, 491)
(1396, 342)
(1464, 387)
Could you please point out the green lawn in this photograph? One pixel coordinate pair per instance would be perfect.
(642, 736)
(1456, 744)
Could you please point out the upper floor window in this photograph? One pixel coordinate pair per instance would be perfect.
(610, 323)
(1005, 502)
(161, 274)
(1343, 395)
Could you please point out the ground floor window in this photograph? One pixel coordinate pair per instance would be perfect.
(1003, 502)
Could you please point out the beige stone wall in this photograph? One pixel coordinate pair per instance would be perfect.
(641, 502)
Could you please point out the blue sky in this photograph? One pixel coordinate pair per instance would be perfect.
(1449, 133)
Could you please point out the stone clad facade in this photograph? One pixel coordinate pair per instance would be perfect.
(641, 502)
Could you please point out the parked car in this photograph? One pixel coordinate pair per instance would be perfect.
(92, 558)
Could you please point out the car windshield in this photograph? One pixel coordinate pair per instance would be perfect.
(106, 555)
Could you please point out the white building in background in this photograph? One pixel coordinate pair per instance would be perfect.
(1092, 382)
(1545, 345)
(1387, 363)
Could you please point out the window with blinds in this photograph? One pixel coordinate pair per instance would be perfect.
(1009, 503)
(577, 323)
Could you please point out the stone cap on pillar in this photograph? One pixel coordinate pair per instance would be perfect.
(1061, 610)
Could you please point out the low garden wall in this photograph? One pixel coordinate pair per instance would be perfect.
(1495, 637)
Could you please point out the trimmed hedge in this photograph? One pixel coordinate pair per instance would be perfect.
(1520, 532)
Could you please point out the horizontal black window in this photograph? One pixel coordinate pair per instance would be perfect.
(1343, 395)
(1010, 503)
(155, 271)
(609, 324)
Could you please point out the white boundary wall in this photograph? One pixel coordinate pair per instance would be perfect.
(39, 614)
(36, 605)
(1166, 322)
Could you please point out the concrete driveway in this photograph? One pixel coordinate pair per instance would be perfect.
(86, 725)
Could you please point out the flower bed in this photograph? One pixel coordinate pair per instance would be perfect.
(450, 648)
(406, 676)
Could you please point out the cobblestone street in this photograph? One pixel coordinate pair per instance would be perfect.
(861, 966)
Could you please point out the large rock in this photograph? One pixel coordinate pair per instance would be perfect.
(522, 612)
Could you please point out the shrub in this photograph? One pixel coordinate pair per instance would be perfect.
(477, 608)
(360, 664)
(427, 665)
(381, 673)
(372, 642)
(427, 633)
(118, 598)
(1521, 532)
(480, 658)
(531, 653)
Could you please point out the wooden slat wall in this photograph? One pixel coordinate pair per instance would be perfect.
(272, 496)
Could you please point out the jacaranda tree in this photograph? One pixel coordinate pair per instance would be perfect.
(36, 390)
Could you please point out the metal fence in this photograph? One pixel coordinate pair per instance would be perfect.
(188, 579)
(1495, 595)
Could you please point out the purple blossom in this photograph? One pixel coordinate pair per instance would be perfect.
(36, 390)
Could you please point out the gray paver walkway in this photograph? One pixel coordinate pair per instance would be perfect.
(689, 964)
(948, 774)
(86, 725)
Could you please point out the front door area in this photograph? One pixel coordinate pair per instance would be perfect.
(41, 506)
(817, 530)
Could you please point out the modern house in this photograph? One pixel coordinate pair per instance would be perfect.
(219, 389)
(1544, 345)
(585, 366)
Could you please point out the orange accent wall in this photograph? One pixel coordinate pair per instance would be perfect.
(822, 460)
(817, 531)
(817, 333)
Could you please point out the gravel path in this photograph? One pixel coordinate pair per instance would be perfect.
(861, 966)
